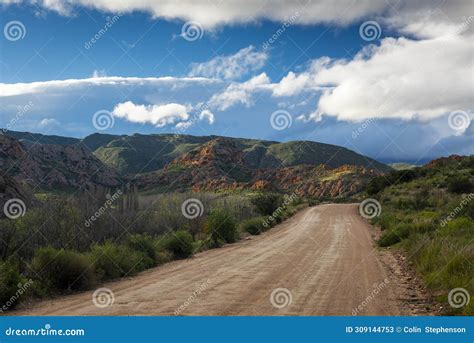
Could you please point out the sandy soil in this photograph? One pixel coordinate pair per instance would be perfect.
(322, 261)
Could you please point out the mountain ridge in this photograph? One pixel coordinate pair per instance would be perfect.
(168, 162)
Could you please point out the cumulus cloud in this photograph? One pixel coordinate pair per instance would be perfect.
(211, 14)
(157, 115)
(207, 116)
(400, 14)
(401, 78)
(239, 93)
(231, 67)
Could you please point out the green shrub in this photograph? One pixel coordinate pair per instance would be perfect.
(221, 227)
(460, 184)
(180, 244)
(389, 238)
(145, 244)
(267, 203)
(253, 226)
(394, 236)
(10, 282)
(113, 261)
(63, 269)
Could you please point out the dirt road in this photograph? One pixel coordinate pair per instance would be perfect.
(320, 262)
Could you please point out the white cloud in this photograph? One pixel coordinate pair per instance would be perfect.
(232, 66)
(207, 115)
(237, 93)
(48, 123)
(158, 115)
(400, 14)
(401, 78)
(14, 89)
(211, 14)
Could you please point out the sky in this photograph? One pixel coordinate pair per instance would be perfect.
(393, 80)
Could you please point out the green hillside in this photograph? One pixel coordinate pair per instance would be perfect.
(429, 212)
(146, 153)
(28, 138)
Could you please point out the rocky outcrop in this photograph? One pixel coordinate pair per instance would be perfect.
(54, 166)
(220, 165)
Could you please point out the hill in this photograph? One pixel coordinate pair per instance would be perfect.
(53, 166)
(156, 151)
(169, 162)
(429, 213)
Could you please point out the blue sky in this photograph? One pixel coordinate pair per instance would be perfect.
(300, 70)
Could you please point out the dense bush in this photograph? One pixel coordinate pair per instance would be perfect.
(143, 243)
(113, 260)
(10, 278)
(460, 184)
(221, 227)
(267, 203)
(61, 269)
(180, 244)
(396, 177)
(253, 226)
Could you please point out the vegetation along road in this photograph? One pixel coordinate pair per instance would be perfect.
(322, 261)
